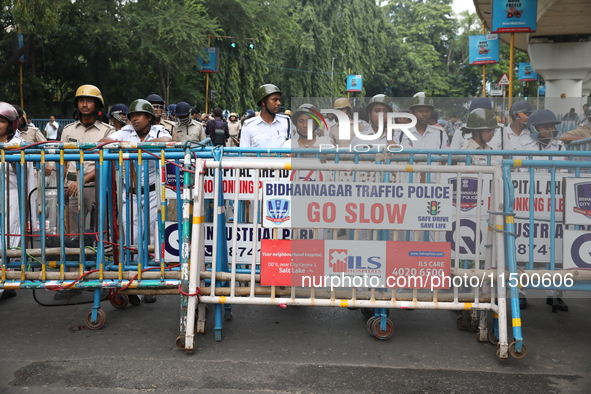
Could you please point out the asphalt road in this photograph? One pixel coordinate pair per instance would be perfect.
(297, 349)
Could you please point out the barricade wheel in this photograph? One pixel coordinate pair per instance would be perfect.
(461, 324)
(492, 339)
(369, 323)
(101, 318)
(387, 333)
(514, 354)
(180, 343)
(499, 354)
(119, 301)
(367, 312)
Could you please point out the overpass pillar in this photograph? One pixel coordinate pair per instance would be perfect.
(564, 67)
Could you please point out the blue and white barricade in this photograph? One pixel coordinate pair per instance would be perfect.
(91, 217)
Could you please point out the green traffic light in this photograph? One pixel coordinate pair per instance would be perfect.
(233, 45)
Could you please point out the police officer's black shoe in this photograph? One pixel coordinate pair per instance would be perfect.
(557, 304)
(134, 300)
(522, 302)
(149, 299)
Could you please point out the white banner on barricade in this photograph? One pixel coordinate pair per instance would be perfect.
(399, 206)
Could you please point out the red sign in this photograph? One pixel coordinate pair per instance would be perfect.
(377, 264)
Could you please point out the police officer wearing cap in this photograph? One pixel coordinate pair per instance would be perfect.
(516, 135)
(158, 104)
(541, 128)
(186, 128)
(427, 136)
(376, 112)
(269, 129)
(118, 116)
(88, 103)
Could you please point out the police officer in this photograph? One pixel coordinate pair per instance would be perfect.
(30, 134)
(9, 121)
(158, 105)
(142, 129)
(376, 112)
(269, 129)
(580, 133)
(234, 127)
(88, 103)
(481, 125)
(342, 104)
(516, 135)
(460, 140)
(427, 136)
(186, 128)
(118, 116)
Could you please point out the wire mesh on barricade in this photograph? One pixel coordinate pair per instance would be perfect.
(92, 217)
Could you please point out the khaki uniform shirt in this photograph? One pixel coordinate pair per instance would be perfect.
(581, 131)
(193, 132)
(77, 132)
(32, 135)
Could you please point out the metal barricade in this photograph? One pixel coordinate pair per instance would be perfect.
(116, 243)
(230, 281)
(547, 202)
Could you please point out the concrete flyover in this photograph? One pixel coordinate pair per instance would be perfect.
(559, 50)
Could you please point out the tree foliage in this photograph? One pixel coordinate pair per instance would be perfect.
(130, 49)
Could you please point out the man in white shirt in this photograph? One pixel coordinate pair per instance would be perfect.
(51, 129)
(269, 129)
(428, 136)
(515, 136)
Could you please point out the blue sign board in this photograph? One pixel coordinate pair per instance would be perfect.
(484, 49)
(526, 72)
(210, 61)
(514, 16)
(354, 83)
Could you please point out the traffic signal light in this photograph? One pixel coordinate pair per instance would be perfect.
(250, 45)
(233, 45)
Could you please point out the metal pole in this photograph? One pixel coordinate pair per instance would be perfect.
(512, 50)
(207, 93)
(21, 85)
(483, 68)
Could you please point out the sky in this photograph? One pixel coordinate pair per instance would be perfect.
(461, 5)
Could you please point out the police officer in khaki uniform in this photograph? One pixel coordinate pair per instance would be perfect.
(88, 102)
(186, 128)
(158, 103)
